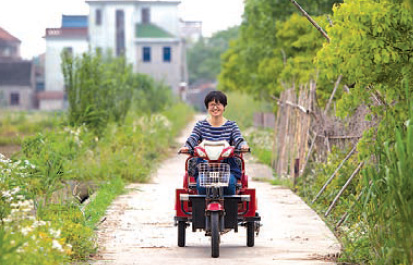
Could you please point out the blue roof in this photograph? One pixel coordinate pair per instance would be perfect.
(69, 21)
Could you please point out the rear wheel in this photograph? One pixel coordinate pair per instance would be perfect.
(181, 233)
(215, 234)
(250, 234)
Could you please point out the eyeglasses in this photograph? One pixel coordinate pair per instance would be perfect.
(215, 105)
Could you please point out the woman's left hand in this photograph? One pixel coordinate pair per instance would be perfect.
(245, 147)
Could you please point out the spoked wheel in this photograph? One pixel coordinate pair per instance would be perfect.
(250, 234)
(181, 233)
(215, 234)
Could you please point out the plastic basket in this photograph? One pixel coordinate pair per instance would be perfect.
(213, 174)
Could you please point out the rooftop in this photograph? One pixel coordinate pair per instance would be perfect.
(72, 21)
(151, 31)
(4, 35)
(66, 32)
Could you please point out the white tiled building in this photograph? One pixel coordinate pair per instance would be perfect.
(146, 32)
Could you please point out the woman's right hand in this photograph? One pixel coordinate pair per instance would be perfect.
(183, 149)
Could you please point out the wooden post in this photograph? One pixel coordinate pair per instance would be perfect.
(296, 172)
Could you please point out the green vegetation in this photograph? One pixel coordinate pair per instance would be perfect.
(107, 143)
(241, 108)
(204, 62)
(370, 46)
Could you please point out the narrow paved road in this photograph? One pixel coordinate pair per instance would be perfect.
(139, 228)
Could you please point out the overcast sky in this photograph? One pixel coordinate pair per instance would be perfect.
(28, 19)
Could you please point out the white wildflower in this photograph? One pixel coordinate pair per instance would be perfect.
(26, 230)
(57, 245)
(6, 194)
(15, 190)
(39, 223)
(54, 233)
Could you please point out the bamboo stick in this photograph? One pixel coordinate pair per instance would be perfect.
(334, 174)
(308, 154)
(332, 94)
(320, 29)
(344, 216)
(333, 204)
(340, 136)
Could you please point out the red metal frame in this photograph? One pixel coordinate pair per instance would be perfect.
(252, 204)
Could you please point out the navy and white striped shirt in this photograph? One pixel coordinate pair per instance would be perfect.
(229, 132)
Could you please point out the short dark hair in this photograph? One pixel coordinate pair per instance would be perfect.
(216, 96)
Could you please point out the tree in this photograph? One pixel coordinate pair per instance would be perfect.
(256, 59)
(204, 61)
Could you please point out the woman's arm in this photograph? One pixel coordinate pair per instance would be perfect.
(195, 136)
(237, 136)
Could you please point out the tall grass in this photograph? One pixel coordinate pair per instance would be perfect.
(387, 205)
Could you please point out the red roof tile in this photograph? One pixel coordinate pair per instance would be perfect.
(4, 35)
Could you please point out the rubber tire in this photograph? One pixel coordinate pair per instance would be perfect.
(214, 234)
(250, 234)
(181, 233)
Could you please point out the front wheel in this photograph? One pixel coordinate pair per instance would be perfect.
(250, 233)
(181, 233)
(215, 234)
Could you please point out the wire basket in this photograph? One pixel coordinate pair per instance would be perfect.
(213, 174)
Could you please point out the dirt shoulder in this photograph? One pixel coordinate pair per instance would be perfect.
(139, 226)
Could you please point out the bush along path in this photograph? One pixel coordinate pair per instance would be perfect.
(42, 220)
(139, 227)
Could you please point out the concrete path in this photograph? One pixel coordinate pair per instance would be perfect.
(139, 228)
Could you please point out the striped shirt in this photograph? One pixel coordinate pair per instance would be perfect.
(229, 132)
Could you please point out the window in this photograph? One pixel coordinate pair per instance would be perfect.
(146, 16)
(146, 54)
(68, 50)
(14, 99)
(120, 32)
(98, 17)
(166, 54)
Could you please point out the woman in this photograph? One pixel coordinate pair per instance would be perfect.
(216, 128)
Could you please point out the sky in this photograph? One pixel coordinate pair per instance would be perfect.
(27, 20)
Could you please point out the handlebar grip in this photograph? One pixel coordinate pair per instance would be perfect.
(189, 152)
(242, 151)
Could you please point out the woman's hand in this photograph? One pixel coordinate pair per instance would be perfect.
(184, 149)
(245, 147)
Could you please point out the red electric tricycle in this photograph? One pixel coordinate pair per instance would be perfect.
(215, 213)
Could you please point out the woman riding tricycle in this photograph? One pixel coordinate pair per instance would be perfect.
(215, 197)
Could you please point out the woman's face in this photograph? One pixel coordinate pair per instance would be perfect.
(215, 109)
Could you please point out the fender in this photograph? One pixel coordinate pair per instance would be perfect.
(214, 207)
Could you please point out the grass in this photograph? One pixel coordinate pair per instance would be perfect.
(100, 202)
(125, 153)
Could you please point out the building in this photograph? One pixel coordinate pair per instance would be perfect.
(9, 47)
(191, 31)
(71, 36)
(147, 33)
(17, 78)
(17, 85)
